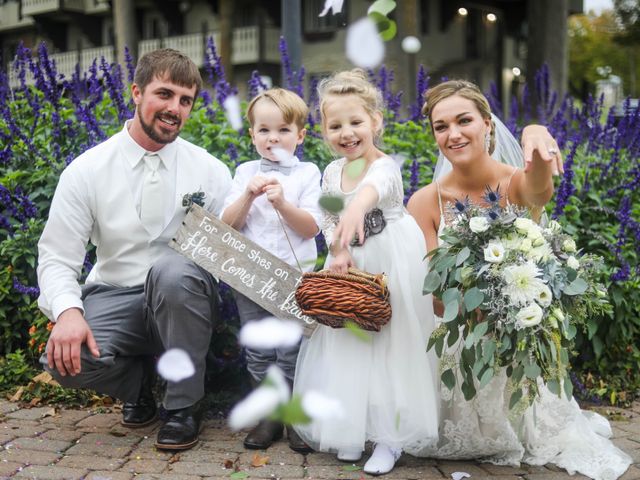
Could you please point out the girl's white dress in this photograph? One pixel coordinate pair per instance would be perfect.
(553, 430)
(385, 385)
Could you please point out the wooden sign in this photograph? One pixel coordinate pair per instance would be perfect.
(242, 264)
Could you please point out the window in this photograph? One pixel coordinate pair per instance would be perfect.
(314, 25)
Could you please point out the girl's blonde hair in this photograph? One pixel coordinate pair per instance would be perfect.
(352, 82)
(463, 89)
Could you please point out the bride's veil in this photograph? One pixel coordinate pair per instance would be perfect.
(507, 150)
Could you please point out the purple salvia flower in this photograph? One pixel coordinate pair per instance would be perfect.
(422, 84)
(256, 85)
(128, 60)
(566, 189)
(24, 289)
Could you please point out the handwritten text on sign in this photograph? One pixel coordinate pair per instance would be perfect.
(242, 264)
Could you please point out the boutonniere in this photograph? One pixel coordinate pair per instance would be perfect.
(196, 197)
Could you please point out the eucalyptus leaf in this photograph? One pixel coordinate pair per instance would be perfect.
(480, 329)
(462, 256)
(468, 390)
(354, 168)
(577, 287)
(473, 298)
(451, 311)
(532, 371)
(469, 341)
(331, 203)
(515, 398)
(448, 378)
(553, 386)
(571, 332)
(486, 377)
(449, 295)
(454, 334)
(439, 345)
(568, 387)
(489, 350)
(518, 373)
(431, 282)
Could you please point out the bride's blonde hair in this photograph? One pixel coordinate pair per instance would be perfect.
(464, 89)
(352, 82)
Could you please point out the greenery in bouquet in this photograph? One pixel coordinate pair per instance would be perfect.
(515, 294)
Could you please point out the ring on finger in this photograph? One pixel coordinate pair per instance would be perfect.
(552, 151)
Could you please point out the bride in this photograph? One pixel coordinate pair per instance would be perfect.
(552, 430)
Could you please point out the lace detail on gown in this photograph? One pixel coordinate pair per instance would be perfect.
(552, 430)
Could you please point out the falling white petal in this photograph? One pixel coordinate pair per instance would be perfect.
(321, 407)
(257, 405)
(364, 47)
(460, 475)
(411, 44)
(232, 108)
(334, 5)
(270, 332)
(175, 365)
(284, 157)
(276, 380)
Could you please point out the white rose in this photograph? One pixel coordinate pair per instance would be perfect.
(569, 245)
(523, 225)
(478, 224)
(535, 232)
(529, 316)
(494, 252)
(572, 262)
(545, 296)
(525, 245)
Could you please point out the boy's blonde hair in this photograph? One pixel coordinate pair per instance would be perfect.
(352, 82)
(293, 108)
(464, 89)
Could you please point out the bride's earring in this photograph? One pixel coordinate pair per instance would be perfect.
(487, 141)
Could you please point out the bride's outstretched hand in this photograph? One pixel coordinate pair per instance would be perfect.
(536, 139)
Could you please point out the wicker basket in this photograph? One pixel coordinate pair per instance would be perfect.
(335, 298)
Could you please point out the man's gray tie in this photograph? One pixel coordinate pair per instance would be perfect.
(152, 203)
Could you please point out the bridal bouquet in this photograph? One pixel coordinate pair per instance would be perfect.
(514, 295)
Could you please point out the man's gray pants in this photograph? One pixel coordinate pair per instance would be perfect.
(259, 359)
(175, 308)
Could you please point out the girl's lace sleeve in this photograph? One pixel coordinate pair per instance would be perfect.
(384, 175)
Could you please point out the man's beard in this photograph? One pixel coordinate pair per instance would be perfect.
(153, 135)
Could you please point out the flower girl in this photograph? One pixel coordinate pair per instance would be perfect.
(386, 383)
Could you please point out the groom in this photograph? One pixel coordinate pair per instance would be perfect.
(141, 298)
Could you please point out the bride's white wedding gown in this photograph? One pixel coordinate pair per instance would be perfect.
(552, 430)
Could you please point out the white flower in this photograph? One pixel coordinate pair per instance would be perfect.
(257, 405)
(545, 297)
(542, 252)
(525, 245)
(534, 233)
(320, 407)
(572, 262)
(529, 316)
(175, 365)
(275, 379)
(557, 313)
(569, 245)
(232, 107)
(364, 46)
(334, 5)
(524, 225)
(494, 252)
(538, 241)
(478, 224)
(522, 283)
(270, 332)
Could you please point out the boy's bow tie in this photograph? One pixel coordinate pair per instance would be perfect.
(268, 165)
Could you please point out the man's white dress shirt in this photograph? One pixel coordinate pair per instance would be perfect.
(301, 188)
(98, 200)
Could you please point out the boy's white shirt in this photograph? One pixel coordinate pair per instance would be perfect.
(300, 188)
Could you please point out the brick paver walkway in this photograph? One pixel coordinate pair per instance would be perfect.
(46, 444)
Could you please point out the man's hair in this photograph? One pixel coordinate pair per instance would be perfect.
(293, 108)
(167, 64)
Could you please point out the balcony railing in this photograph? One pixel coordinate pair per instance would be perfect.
(37, 7)
(246, 49)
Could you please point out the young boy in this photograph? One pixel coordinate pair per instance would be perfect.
(276, 185)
